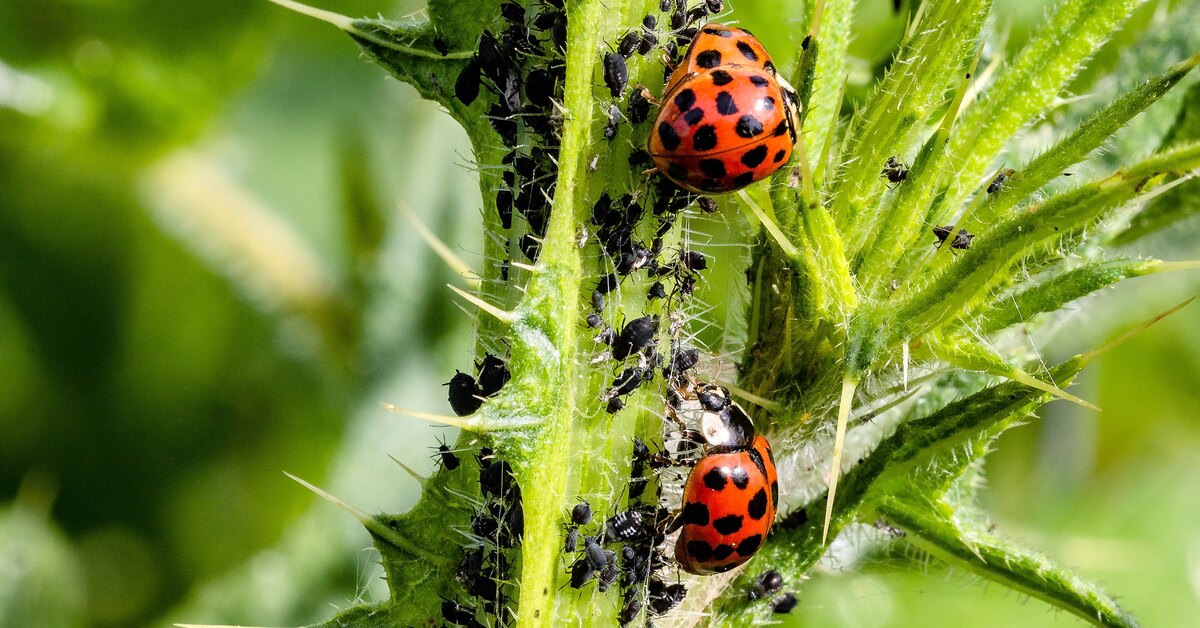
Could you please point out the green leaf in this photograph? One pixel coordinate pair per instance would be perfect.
(908, 95)
(1029, 87)
(935, 531)
(1076, 146)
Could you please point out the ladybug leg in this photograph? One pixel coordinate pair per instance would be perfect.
(674, 523)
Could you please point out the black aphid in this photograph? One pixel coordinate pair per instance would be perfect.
(463, 394)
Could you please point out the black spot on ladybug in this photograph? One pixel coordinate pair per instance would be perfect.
(749, 126)
(739, 477)
(744, 179)
(709, 59)
(728, 524)
(755, 156)
(719, 32)
(716, 479)
(759, 81)
(749, 545)
(770, 68)
(765, 104)
(747, 51)
(695, 513)
(780, 155)
(723, 551)
(714, 168)
(705, 138)
(725, 104)
(677, 171)
(685, 99)
(700, 550)
(721, 77)
(694, 116)
(775, 494)
(667, 135)
(757, 508)
(780, 128)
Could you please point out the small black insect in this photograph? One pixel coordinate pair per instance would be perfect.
(581, 514)
(608, 577)
(657, 291)
(466, 86)
(441, 46)
(665, 5)
(450, 461)
(594, 320)
(962, 239)
(629, 43)
(663, 598)
(639, 106)
(463, 394)
(459, 614)
(626, 382)
(496, 479)
(615, 405)
(694, 260)
(597, 300)
(596, 556)
(635, 336)
(633, 606)
(616, 73)
(649, 41)
(894, 170)
(581, 572)
(513, 12)
(998, 182)
(707, 204)
(784, 603)
(767, 584)
(606, 336)
(571, 545)
(623, 526)
(614, 122)
(493, 375)
(714, 6)
(682, 361)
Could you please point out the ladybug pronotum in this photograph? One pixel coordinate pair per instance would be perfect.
(727, 118)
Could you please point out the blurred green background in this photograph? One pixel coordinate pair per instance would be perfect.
(206, 279)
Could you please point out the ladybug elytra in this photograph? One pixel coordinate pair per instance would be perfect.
(727, 119)
(731, 495)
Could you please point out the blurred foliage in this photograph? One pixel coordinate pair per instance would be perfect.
(161, 384)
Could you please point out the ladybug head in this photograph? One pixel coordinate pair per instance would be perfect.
(791, 104)
(728, 428)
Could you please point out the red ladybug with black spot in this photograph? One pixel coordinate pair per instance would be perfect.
(731, 495)
(727, 118)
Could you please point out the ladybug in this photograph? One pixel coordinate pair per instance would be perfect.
(728, 119)
(729, 503)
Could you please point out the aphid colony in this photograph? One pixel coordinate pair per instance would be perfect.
(727, 119)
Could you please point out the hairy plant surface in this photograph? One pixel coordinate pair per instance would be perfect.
(882, 340)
